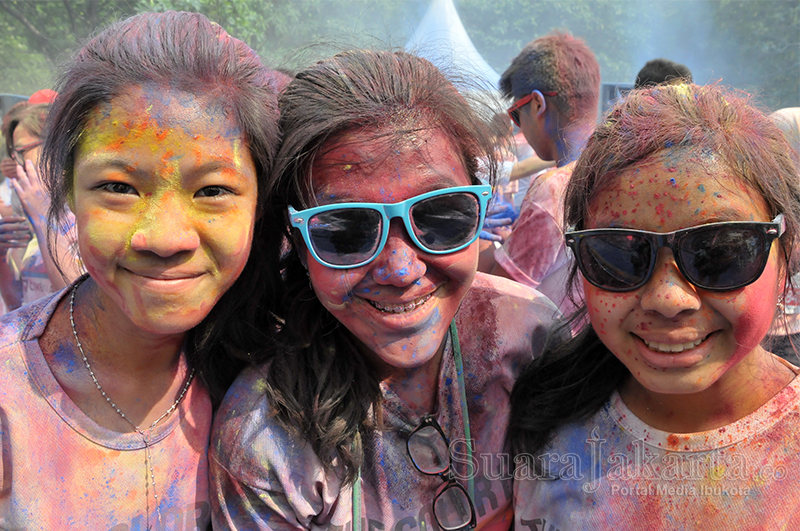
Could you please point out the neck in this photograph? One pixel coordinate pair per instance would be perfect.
(571, 140)
(417, 387)
(739, 392)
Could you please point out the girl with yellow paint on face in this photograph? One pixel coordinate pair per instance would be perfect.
(159, 143)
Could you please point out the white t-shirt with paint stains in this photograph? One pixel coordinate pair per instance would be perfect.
(614, 472)
(61, 470)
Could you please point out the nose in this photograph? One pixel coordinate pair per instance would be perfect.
(165, 228)
(399, 263)
(668, 292)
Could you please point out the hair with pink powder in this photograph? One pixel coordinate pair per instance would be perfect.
(556, 62)
(708, 118)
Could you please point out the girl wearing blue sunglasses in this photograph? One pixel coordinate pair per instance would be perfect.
(664, 411)
(394, 352)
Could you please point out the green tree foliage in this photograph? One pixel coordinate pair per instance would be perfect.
(35, 34)
(751, 44)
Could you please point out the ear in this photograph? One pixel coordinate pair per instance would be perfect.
(299, 246)
(538, 103)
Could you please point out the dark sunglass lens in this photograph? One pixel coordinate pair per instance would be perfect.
(452, 507)
(446, 222)
(428, 450)
(515, 116)
(345, 237)
(615, 261)
(723, 257)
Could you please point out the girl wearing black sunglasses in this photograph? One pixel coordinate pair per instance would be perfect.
(664, 411)
(393, 351)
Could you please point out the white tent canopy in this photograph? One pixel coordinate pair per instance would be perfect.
(442, 39)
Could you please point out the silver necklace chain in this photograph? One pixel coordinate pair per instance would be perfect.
(145, 435)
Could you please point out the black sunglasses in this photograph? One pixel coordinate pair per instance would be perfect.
(715, 257)
(429, 450)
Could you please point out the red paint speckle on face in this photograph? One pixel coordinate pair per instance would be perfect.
(163, 251)
(402, 273)
(668, 309)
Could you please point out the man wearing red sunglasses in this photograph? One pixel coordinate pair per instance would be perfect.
(555, 85)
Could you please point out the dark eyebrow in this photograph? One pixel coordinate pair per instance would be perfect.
(109, 162)
(125, 166)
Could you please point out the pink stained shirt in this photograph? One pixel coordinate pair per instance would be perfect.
(614, 472)
(61, 470)
(263, 478)
(535, 253)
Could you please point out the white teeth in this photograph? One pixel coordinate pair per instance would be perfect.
(674, 347)
(400, 308)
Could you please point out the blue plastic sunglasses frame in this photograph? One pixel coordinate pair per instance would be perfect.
(300, 219)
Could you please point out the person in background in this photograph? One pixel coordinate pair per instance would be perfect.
(161, 142)
(8, 166)
(15, 233)
(555, 85)
(502, 211)
(393, 350)
(39, 271)
(664, 412)
(784, 338)
(658, 71)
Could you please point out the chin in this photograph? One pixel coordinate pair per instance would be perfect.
(677, 384)
(166, 323)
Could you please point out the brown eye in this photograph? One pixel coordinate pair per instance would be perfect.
(118, 188)
(212, 191)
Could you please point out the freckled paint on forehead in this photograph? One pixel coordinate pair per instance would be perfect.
(147, 117)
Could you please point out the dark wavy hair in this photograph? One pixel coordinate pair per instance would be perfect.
(657, 71)
(574, 378)
(318, 384)
(187, 52)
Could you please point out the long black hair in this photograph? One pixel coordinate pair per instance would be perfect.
(319, 385)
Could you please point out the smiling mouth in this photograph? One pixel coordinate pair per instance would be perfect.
(673, 348)
(400, 308)
(167, 276)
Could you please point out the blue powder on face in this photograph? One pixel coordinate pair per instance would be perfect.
(672, 182)
(701, 188)
(669, 144)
